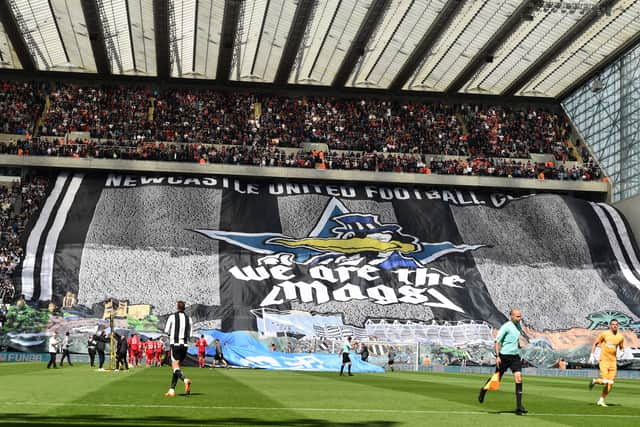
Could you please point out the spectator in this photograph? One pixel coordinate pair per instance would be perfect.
(426, 361)
(3, 316)
(364, 352)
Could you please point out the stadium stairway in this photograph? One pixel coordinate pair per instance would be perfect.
(573, 150)
(152, 106)
(465, 131)
(45, 111)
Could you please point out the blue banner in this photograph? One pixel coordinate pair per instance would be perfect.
(241, 349)
(294, 361)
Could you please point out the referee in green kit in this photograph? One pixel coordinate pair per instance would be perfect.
(508, 357)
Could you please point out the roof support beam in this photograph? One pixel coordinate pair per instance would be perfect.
(230, 22)
(13, 31)
(133, 51)
(55, 22)
(292, 46)
(161, 27)
(504, 32)
(610, 59)
(264, 21)
(96, 36)
(438, 27)
(356, 50)
(195, 38)
(569, 37)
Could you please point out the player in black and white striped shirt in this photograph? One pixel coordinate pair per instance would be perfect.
(179, 329)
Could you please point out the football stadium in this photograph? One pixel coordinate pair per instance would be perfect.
(320, 212)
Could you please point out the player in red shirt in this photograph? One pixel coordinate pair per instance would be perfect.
(150, 350)
(159, 351)
(201, 343)
(140, 352)
(134, 350)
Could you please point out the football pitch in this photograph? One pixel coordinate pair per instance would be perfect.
(30, 394)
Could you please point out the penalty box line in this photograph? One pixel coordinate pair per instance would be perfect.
(286, 408)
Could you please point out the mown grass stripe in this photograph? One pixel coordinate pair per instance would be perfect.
(281, 408)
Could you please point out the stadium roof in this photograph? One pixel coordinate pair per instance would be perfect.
(497, 47)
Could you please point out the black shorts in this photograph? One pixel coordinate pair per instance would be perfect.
(509, 361)
(218, 357)
(390, 362)
(178, 353)
(346, 358)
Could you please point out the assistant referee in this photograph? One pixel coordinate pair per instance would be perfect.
(508, 356)
(179, 329)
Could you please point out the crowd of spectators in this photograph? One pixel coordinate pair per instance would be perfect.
(363, 125)
(20, 106)
(370, 125)
(113, 112)
(365, 134)
(206, 116)
(247, 155)
(18, 204)
(507, 133)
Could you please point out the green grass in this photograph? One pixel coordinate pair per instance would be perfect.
(72, 396)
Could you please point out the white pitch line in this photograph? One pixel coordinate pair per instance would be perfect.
(346, 410)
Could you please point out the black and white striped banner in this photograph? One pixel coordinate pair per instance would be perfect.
(37, 267)
(622, 245)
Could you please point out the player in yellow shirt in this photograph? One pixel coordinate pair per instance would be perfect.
(609, 342)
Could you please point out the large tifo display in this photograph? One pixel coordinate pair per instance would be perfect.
(318, 260)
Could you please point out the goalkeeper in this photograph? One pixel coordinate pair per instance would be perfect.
(508, 357)
(609, 342)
